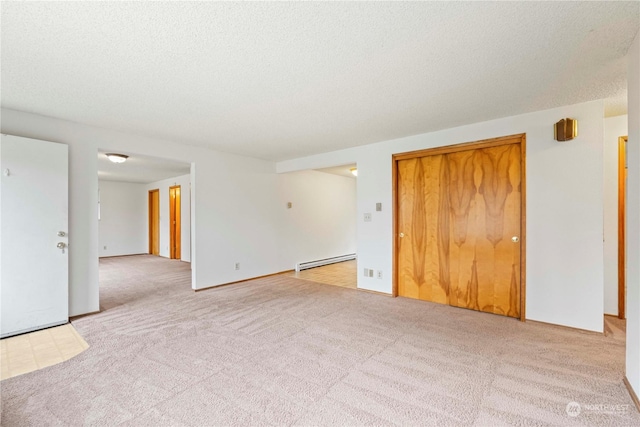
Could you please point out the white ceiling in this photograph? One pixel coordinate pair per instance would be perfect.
(344, 170)
(279, 80)
(139, 169)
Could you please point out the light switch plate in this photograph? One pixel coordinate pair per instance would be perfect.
(378, 207)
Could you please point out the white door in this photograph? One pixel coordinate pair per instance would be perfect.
(34, 277)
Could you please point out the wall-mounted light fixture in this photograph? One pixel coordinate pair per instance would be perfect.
(117, 158)
(565, 129)
(354, 171)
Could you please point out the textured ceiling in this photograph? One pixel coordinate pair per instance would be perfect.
(139, 169)
(279, 80)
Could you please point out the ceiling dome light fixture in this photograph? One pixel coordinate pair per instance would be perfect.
(354, 171)
(117, 158)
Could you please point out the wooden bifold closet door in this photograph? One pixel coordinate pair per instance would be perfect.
(459, 227)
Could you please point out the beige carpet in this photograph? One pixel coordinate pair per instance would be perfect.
(284, 351)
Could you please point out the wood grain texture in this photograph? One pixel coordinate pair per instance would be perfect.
(458, 212)
(622, 227)
(178, 230)
(523, 226)
(466, 146)
(396, 240)
(154, 222)
(174, 222)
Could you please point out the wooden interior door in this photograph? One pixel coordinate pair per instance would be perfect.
(154, 222)
(459, 215)
(622, 225)
(174, 222)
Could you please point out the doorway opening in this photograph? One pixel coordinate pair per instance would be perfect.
(144, 227)
(459, 225)
(174, 222)
(321, 212)
(622, 218)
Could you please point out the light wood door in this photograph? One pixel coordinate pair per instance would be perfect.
(154, 222)
(622, 221)
(174, 222)
(459, 228)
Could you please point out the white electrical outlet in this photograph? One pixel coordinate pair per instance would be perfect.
(367, 217)
(379, 274)
(237, 266)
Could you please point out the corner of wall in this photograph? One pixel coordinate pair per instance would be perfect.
(633, 217)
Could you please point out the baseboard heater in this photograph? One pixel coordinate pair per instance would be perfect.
(318, 263)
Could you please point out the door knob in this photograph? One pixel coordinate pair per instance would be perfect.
(401, 234)
(515, 239)
(61, 246)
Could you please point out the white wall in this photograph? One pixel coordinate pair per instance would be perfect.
(614, 127)
(83, 199)
(633, 217)
(322, 220)
(122, 225)
(235, 202)
(184, 182)
(238, 208)
(564, 208)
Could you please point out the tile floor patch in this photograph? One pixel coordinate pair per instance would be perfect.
(36, 350)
